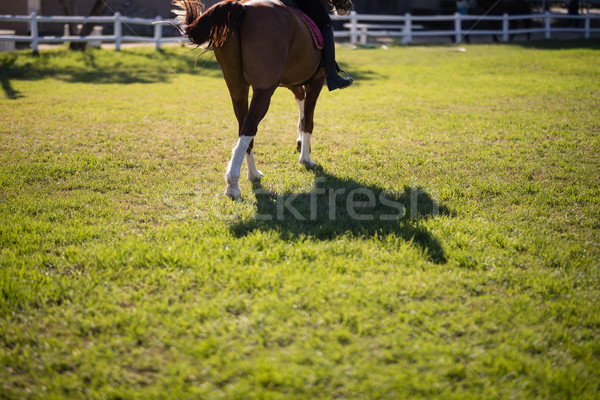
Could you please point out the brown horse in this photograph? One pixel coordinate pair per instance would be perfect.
(260, 44)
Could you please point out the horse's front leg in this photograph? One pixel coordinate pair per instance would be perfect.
(300, 95)
(306, 123)
(253, 173)
(304, 140)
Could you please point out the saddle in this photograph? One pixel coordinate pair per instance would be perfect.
(310, 24)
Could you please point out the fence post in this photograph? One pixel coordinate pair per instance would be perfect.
(587, 24)
(35, 36)
(158, 33)
(353, 28)
(505, 27)
(118, 31)
(407, 37)
(547, 25)
(457, 28)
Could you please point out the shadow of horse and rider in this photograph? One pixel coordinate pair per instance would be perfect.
(335, 207)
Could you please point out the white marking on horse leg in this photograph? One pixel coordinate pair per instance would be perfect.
(232, 176)
(305, 151)
(253, 173)
(301, 106)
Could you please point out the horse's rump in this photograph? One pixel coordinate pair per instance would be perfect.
(274, 44)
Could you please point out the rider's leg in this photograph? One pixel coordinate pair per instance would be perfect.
(334, 81)
(318, 13)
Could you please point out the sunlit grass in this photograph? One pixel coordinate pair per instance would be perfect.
(126, 274)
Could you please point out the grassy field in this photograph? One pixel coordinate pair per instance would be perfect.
(125, 274)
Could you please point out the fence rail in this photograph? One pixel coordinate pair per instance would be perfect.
(357, 27)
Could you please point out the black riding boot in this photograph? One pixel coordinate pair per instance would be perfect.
(334, 81)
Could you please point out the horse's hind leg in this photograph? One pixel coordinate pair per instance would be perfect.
(240, 106)
(239, 97)
(261, 98)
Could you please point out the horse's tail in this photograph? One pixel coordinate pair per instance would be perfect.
(212, 26)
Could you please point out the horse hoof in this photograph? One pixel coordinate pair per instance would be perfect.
(308, 164)
(233, 194)
(237, 199)
(256, 177)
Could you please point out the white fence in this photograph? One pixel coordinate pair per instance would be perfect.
(358, 28)
(407, 27)
(117, 37)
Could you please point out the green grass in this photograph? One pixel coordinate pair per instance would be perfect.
(126, 274)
